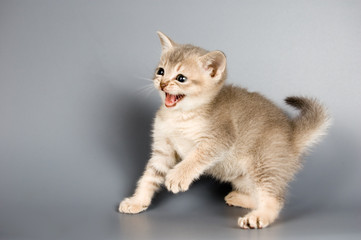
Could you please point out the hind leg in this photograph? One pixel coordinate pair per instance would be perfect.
(239, 199)
(242, 196)
(266, 212)
(269, 187)
(272, 169)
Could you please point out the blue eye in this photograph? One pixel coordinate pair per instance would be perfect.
(160, 71)
(181, 78)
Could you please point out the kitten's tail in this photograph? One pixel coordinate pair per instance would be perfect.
(311, 124)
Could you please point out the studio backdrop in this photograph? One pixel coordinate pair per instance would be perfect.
(76, 112)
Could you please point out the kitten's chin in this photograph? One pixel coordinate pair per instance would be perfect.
(172, 100)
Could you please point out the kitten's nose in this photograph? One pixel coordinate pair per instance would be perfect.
(163, 85)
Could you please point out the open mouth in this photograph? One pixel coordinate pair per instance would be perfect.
(172, 100)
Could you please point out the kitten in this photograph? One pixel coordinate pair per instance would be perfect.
(236, 136)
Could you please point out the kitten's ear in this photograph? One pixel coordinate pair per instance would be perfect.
(214, 63)
(166, 42)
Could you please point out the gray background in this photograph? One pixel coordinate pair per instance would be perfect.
(75, 114)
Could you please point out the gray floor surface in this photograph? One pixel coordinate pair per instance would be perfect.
(197, 214)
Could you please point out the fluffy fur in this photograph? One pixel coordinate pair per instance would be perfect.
(224, 131)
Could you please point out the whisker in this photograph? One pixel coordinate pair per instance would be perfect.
(149, 92)
(141, 89)
(145, 90)
(143, 78)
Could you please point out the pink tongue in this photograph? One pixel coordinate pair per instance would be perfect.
(170, 100)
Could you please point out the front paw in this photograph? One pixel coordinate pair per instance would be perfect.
(132, 206)
(177, 181)
(254, 220)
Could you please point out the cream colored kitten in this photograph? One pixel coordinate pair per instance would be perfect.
(236, 136)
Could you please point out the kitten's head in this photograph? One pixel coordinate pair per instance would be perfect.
(188, 76)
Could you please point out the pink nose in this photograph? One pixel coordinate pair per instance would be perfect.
(163, 85)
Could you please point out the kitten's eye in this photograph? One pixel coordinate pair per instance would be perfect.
(160, 71)
(181, 78)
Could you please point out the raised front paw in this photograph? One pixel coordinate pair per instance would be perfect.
(177, 181)
(132, 206)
